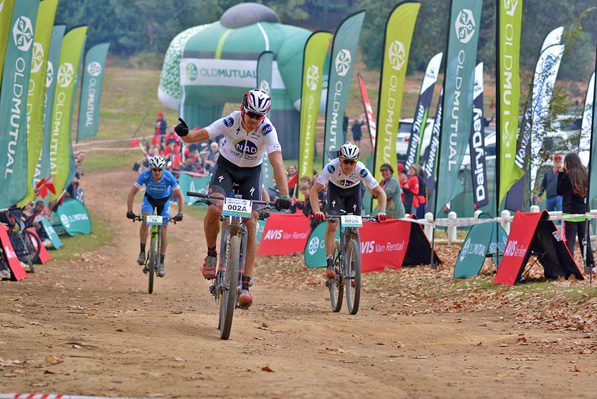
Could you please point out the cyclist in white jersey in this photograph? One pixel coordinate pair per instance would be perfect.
(344, 174)
(248, 135)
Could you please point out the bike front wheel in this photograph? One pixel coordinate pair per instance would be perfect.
(228, 301)
(335, 285)
(151, 264)
(353, 276)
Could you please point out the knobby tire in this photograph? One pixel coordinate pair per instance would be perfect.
(228, 301)
(335, 285)
(151, 263)
(353, 269)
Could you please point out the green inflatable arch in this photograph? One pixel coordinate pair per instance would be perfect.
(210, 65)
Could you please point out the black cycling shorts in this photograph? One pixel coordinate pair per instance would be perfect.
(246, 181)
(344, 199)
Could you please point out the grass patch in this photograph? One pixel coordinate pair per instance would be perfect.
(102, 160)
(101, 234)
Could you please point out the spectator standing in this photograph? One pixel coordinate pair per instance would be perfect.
(422, 197)
(356, 131)
(391, 187)
(292, 173)
(549, 186)
(573, 180)
(160, 126)
(411, 190)
(344, 126)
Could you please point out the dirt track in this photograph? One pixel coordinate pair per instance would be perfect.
(88, 327)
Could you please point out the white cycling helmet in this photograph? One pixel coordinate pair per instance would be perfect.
(157, 162)
(257, 101)
(349, 151)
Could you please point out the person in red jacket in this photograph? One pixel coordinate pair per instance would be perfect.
(411, 190)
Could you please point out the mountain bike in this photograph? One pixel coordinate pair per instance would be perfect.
(155, 244)
(233, 243)
(347, 263)
(26, 244)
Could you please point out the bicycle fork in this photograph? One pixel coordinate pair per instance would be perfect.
(219, 285)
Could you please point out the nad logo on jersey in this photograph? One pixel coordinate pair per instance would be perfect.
(364, 173)
(267, 129)
(229, 122)
(331, 168)
(245, 146)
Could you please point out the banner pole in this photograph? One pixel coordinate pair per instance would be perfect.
(589, 269)
(498, 131)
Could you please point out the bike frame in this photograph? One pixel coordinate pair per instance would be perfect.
(235, 227)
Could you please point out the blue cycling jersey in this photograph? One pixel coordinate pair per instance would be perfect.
(161, 189)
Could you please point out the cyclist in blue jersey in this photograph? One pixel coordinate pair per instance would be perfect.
(248, 136)
(159, 184)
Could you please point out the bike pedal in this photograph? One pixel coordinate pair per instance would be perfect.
(243, 307)
(327, 283)
(145, 270)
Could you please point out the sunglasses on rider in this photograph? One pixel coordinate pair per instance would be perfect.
(157, 170)
(253, 115)
(348, 161)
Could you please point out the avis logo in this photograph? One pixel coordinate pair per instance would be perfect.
(312, 77)
(367, 247)
(342, 62)
(94, 68)
(192, 71)
(397, 55)
(37, 57)
(49, 74)
(245, 146)
(22, 32)
(465, 26)
(273, 235)
(65, 74)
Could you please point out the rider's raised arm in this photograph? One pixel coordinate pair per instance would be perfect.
(196, 135)
(314, 195)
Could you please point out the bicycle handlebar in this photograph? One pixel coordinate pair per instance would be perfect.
(367, 218)
(140, 218)
(209, 199)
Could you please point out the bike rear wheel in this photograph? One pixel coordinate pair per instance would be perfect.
(228, 301)
(151, 263)
(335, 285)
(33, 244)
(353, 276)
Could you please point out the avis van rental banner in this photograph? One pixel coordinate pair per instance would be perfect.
(461, 59)
(37, 91)
(384, 245)
(6, 9)
(508, 91)
(396, 48)
(284, 234)
(422, 110)
(316, 49)
(60, 146)
(344, 54)
(43, 165)
(265, 67)
(13, 103)
(91, 91)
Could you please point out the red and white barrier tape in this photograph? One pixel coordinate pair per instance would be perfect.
(110, 141)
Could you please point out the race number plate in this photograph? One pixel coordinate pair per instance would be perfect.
(237, 207)
(351, 221)
(154, 220)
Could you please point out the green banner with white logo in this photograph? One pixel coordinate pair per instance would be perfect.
(66, 76)
(396, 48)
(316, 49)
(37, 91)
(13, 103)
(51, 233)
(194, 184)
(43, 165)
(6, 8)
(344, 54)
(315, 248)
(74, 217)
(508, 92)
(461, 60)
(265, 65)
(91, 91)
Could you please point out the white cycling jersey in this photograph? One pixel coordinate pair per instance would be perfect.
(332, 172)
(242, 148)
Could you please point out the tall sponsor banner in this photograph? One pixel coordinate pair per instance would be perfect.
(43, 165)
(422, 110)
(544, 82)
(91, 91)
(430, 165)
(461, 59)
(477, 144)
(314, 56)
(37, 90)
(265, 65)
(553, 37)
(584, 148)
(6, 9)
(344, 55)
(371, 125)
(13, 103)
(70, 55)
(396, 48)
(593, 162)
(508, 92)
